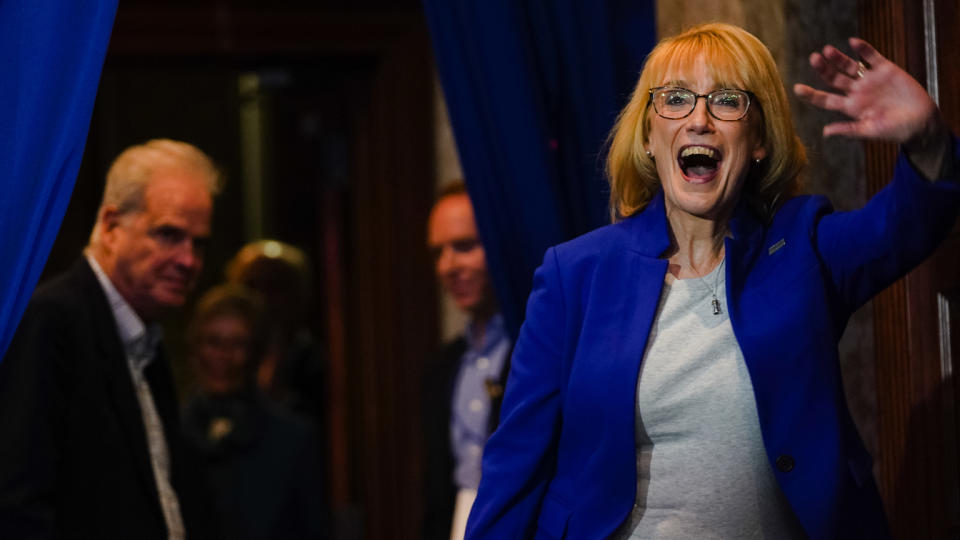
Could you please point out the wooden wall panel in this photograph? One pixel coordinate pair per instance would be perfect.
(917, 469)
(394, 308)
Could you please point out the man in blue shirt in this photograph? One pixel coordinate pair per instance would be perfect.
(465, 383)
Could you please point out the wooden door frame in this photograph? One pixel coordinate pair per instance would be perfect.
(917, 468)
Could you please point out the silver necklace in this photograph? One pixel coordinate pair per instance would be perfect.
(715, 302)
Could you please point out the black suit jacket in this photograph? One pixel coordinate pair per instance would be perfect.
(440, 491)
(74, 461)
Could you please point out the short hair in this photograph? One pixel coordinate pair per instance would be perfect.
(231, 300)
(131, 171)
(735, 58)
(453, 187)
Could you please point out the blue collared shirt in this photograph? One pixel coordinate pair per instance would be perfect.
(139, 340)
(471, 403)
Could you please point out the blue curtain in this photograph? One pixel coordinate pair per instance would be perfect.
(51, 55)
(533, 88)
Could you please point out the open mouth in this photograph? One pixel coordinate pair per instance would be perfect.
(699, 163)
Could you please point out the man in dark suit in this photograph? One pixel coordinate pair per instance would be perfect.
(88, 415)
(464, 384)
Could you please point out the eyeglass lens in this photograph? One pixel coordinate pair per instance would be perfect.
(675, 103)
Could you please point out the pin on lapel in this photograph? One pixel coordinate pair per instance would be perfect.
(773, 249)
(219, 428)
(494, 388)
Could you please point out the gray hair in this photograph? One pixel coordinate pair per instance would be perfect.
(132, 170)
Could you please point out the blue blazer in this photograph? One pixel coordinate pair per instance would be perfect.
(562, 463)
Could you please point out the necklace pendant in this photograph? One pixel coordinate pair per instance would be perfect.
(716, 305)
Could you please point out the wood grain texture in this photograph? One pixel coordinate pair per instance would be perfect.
(917, 469)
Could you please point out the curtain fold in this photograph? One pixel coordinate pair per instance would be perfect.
(51, 56)
(533, 88)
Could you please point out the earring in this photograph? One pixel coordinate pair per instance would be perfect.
(757, 161)
(649, 154)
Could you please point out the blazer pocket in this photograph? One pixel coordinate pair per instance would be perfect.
(553, 518)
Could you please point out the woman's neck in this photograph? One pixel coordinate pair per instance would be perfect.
(696, 245)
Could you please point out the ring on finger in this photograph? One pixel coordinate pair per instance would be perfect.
(861, 69)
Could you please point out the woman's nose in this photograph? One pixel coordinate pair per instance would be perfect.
(700, 119)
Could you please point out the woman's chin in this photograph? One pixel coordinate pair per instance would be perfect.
(700, 207)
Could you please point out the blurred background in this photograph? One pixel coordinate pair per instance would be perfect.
(329, 120)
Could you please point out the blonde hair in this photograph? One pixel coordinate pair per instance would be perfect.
(734, 58)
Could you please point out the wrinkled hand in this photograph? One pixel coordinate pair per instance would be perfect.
(882, 101)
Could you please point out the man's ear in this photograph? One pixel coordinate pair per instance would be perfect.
(108, 219)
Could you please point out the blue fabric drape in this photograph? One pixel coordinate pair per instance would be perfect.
(51, 56)
(533, 88)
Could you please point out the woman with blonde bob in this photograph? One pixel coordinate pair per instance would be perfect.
(677, 372)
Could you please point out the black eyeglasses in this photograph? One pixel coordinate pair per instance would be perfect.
(674, 103)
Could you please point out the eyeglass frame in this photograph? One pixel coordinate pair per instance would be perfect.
(751, 97)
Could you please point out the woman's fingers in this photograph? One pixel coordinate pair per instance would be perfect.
(829, 73)
(843, 63)
(819, 98)
(845, 129)
(830, 102)
(881, 100)
(866, 51)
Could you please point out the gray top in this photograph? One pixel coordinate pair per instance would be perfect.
(702, 471)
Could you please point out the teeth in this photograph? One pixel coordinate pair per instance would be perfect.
(700, 150)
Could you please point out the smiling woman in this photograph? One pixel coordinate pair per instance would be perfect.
(704, 160)
(677, 373)
(634, 177)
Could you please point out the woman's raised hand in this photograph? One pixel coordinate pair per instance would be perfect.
(882, 101)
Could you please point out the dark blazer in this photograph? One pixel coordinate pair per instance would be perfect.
(74, 461)
(264, 474)
(440, 491)
(563, 462)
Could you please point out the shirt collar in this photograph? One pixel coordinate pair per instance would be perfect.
(493, 332)
(139, 340)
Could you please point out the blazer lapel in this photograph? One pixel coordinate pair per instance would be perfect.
(632, 279)
(742, 249)
(645, 271)
(636, 277)
(119, 382)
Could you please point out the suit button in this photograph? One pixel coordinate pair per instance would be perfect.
(785, 463)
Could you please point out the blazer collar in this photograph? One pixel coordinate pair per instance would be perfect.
(116, 369)
(649, 235)
(140, 341)
(745, 225)
(647, 231)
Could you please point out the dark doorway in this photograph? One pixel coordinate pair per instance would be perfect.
(321, 117)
